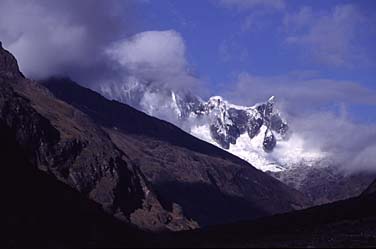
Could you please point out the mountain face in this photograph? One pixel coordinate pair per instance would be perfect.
(226, 122)
(325, 184)
(140, 169)
(181, 168)
(40, 211)
(65, 143)
(56, 222)
(258, 134)
(68, 154)
(8, 64)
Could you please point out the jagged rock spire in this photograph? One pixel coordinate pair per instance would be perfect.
(8, 64)
(228, 122)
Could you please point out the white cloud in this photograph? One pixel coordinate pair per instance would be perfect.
(151, 51)
(155, 56)
(366, 159)
(61, 37)
(328, 35)
(350, 145)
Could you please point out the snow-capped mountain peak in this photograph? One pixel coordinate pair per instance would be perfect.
(257, 133)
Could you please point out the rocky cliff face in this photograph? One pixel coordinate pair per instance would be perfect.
(8, 64)
(65, 143)
(39, 211)
(228, 122)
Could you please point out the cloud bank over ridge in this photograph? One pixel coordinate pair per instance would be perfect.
(63, 37)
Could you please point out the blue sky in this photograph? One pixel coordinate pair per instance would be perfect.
(331, 40)
(315, 56)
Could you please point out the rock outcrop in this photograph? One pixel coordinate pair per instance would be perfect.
(65, 143)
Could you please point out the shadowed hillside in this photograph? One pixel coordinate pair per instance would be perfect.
(348, 223)
(210, 185)
(40, 211)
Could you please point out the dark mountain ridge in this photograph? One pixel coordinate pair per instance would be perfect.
(182, 168)
(140, 169)
(66, 144)
(113, 114)
(371, 189)
(349, 223)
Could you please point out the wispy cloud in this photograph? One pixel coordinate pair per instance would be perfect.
(256, 11)
(300, 90)
(329, 36)
(230, 50)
